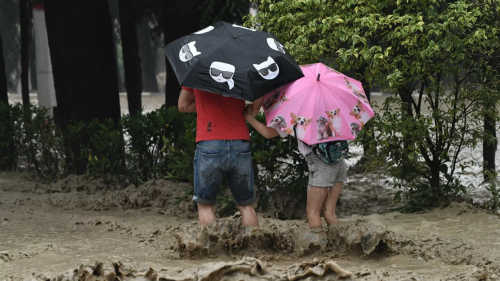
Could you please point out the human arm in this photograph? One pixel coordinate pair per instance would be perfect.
(186, 101)
(256, 106)
(264, 130)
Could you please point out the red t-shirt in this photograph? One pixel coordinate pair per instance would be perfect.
(219, 118)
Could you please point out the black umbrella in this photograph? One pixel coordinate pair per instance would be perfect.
(233, 61)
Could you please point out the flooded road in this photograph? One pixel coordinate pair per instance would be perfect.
(72, 230)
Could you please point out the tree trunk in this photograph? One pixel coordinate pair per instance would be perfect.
(25, 22)
(172, 86)
(85, 76)
(4, 98)
(435, 180)
(148, 58)
(33, 80)
(113, 8)
(185, 11)
(5, 124)
(131, 58)
(489, 150)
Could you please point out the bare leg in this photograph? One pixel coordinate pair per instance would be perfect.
(206, 214)
(331, 203)
(248, 215)
(315, 199)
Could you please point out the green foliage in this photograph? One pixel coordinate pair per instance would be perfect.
(229, 11)
(152, 145)
(188, 193)
(30, 140)
(158, 144)
(104, 151)
(495, 197)
(144, 142)
(10, 135)
(435, 56)
(280, 165)
(225, 202)
(424, 151)
(180, 146)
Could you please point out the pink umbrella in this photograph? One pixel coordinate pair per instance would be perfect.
(325, 104)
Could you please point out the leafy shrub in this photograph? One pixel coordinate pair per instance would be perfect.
(180, 145)
(279, 164)
(30, 140)
(144, 143)
(104, 151)
(11, 135)
(494, 204)
(423, 149)
(157, 144)
(44, 152)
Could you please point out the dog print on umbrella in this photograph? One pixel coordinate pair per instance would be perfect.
(300, 121)
(204, 30)
(354, 129)
(324, 130)
(188, 52)
(279, 123)
(271, 101)
(275, 45)
(222, 73)
(358, 93)
(359, 113)
(329, 68)
(274, 101)
(334, 121)
(268, 69)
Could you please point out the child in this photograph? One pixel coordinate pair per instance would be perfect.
(325, 181)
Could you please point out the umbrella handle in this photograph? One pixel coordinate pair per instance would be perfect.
(317, 79)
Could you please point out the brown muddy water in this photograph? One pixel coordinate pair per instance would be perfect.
(73, 230)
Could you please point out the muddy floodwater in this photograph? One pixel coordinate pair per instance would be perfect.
(73, 230)
(80, 230)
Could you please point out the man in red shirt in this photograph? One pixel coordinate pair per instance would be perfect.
(222, 149)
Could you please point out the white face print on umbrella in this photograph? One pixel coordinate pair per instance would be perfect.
(222, 72)
(204, 30)
(268, 69)
(188, 52)
(275, 45)
(239, 26)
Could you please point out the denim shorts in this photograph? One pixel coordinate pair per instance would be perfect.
(217, 158)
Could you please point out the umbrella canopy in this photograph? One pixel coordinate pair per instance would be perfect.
(233, 61)
(325, 105)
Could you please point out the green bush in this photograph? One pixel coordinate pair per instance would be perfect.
(104, 151)
(157, 144)
(152, 145)
(30, 140)
(435, 58)
(11, 135)
(44, 153)
(180, 145)
(423, 151)
(144, 143)
(279, 163)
